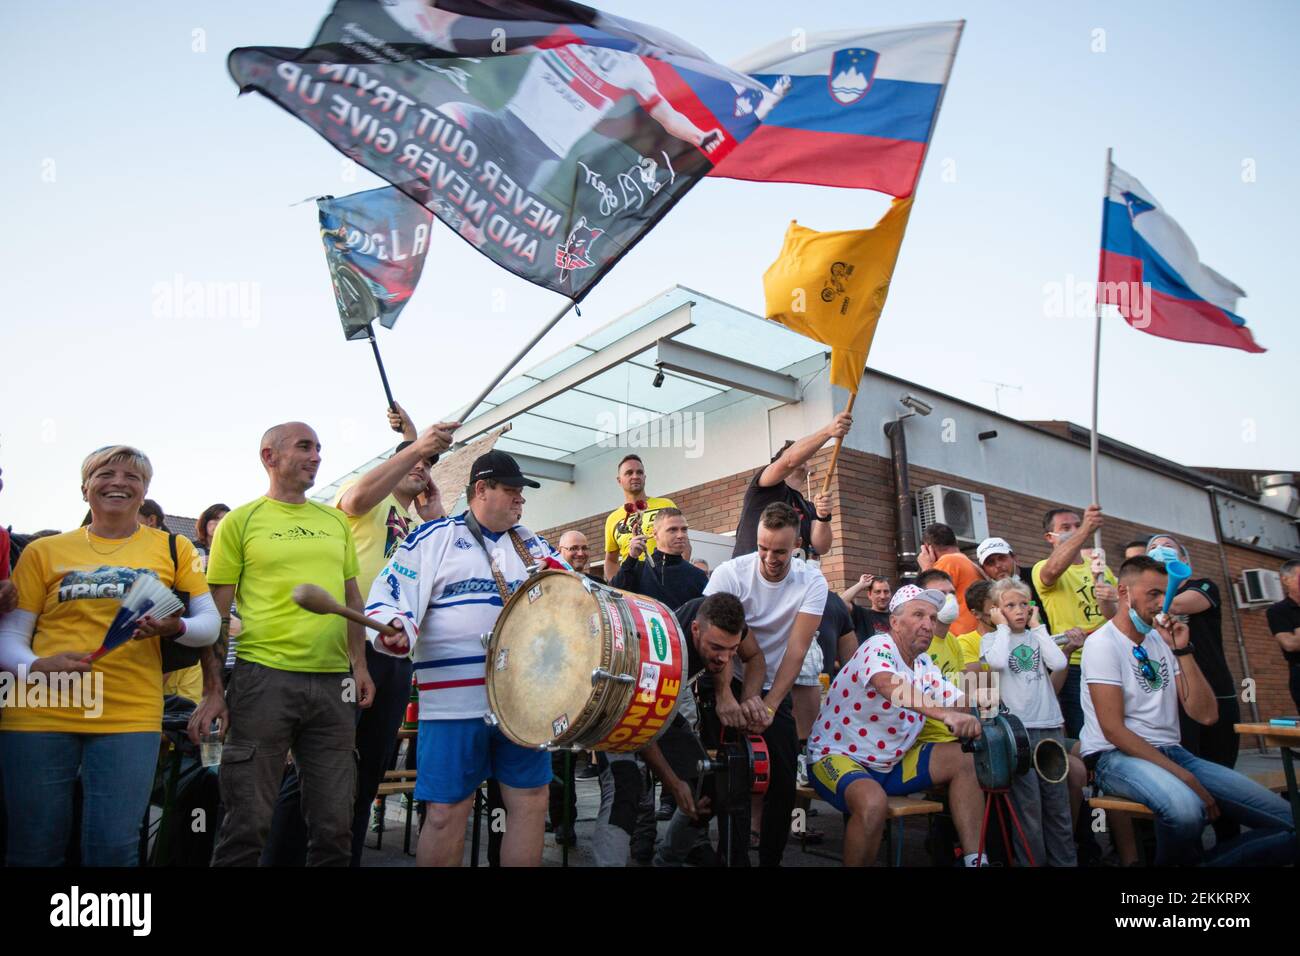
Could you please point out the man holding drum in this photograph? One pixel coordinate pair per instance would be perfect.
(445, 587)
(715, 633)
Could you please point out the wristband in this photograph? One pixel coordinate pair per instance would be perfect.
(1183, 651)
(827, 518)
(181, 632)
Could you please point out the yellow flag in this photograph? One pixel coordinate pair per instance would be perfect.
(831, 287)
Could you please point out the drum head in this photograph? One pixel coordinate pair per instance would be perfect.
(547, 642)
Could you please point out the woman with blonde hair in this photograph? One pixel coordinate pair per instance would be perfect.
(99, 722)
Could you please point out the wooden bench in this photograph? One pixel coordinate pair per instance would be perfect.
(403, 782)
(898, 809)
(1274, 780)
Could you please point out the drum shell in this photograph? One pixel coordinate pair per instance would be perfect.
(637, 637)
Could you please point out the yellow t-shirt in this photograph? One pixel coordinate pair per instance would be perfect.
(946, 652)
(187, 683)
(622, 526)
(376, 533)
(1070, 602)
(266, 548)
(74, 583)
(970, 647)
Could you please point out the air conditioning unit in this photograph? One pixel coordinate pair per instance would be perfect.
(963, 511)
(1261, 586)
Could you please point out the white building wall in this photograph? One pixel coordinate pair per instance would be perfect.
(725, 441)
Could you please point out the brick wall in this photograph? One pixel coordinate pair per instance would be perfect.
(863, 505)
(1267, 665)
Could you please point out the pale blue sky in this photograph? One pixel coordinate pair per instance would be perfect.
(128, 160)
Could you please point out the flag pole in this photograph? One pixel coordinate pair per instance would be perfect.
(839, 442)
(383, 376)
(1096, 344)
(929, 138)
(568, 304)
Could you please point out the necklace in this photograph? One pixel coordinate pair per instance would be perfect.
(127, 541)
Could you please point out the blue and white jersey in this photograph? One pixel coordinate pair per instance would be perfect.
(439, 584)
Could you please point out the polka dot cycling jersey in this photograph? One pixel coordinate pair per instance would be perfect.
(860, 722)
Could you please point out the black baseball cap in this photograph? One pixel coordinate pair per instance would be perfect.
(499, 467)
(432, 459)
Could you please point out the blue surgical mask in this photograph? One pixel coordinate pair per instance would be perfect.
(1142, 626)
(1163, 553)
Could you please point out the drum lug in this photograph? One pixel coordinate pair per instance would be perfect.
(601, 674)
(491, 719)
(484, 639)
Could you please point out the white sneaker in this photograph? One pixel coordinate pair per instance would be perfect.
(801, 774)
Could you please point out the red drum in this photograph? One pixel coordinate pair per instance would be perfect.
(573, 663)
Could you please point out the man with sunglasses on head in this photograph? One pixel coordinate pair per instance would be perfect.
(1137, 668)
(631, 525)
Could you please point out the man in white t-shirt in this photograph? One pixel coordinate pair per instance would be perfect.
(784, 598)
(1137, 667)
(862, 741)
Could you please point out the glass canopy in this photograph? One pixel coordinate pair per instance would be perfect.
(625, 395)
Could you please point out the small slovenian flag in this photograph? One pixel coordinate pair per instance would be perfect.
(1151, 272)
(849, 108)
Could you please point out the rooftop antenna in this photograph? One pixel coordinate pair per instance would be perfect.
(997, 392)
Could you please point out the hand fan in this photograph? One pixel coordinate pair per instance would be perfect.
(147, 595)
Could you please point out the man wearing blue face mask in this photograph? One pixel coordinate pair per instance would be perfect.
(1139, 668)
(1198, 600)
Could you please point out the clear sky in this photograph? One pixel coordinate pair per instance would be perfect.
(128, 161)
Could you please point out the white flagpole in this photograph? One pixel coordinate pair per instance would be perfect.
(1096, 344)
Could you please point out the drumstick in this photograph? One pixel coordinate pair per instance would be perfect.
(311, 597)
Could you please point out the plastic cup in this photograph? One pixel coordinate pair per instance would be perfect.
(210, 748)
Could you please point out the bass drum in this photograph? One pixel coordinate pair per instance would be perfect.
(573, 663)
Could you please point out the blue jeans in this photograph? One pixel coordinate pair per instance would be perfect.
(1180, 814)
(40, 773)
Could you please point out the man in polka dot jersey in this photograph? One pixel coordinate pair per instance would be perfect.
(862, 743)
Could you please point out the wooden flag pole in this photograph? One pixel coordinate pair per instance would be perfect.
(839, 443)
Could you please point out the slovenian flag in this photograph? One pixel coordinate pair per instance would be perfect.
(856, 109)
(1151, 272)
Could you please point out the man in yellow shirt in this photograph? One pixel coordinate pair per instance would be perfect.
(382, 507)
(291, 687)
(946, 652)
(634, 519)
(1078, 593)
